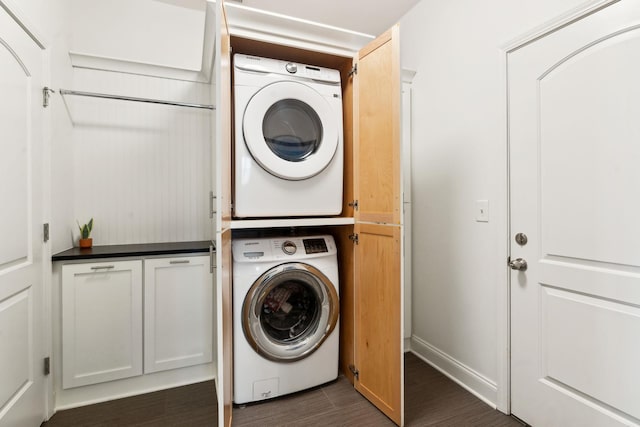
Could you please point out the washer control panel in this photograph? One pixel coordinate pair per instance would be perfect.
(285, 248)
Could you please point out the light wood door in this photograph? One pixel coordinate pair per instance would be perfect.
(574, 104)
(22, 391)
(101, 322)
(378, 312)
(224, 330)
(378, 286)
(224, 303)
(178, 312)
(377, 99)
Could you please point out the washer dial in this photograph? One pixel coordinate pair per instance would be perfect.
(289, 247)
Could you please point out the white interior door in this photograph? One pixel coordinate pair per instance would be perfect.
(574, 129)
(22, 396)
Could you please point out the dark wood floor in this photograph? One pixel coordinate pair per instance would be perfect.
(431, 399)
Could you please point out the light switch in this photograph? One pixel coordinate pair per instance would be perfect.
(482, 210)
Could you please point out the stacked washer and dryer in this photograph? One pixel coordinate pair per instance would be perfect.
(288, 163)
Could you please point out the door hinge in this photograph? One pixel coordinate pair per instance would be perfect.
(355, 372)
(47, 365)
(46, 93)
(354, 238)
(353, 204)
(212, 204)
(354, 70)
(45, 232)
(212, 258)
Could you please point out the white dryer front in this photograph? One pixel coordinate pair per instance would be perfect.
(289, 142)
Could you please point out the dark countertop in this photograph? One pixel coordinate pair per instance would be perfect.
(137, 250)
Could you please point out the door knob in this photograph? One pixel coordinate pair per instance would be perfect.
(518, 264)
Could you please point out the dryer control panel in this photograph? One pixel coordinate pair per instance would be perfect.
(256, 64)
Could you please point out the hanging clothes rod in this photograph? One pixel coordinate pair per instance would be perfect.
(131, 98)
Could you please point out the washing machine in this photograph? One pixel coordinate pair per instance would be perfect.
(285, 315)
(288, 139)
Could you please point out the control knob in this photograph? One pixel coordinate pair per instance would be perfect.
(289, 247)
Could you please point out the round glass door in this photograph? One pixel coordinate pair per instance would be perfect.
(289, 312)
(291, 130)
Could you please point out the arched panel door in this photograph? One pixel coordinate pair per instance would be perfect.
(574, 103)
(22, 390)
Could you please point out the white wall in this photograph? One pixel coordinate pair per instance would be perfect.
(162, 32)
(142, 171)
(459, 156)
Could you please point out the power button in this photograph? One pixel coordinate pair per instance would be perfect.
(291, 67)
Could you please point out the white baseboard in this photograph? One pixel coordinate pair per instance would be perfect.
(472, 381)
(407, 345)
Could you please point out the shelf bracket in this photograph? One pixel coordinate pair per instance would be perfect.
(46, 93)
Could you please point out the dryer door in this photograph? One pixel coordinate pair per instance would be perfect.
(289, 312)
(291, 130)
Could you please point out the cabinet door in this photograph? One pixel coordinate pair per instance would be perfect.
(101, 322)
(178, 313)
(224, 330)
(377, 97)
(224, 319)
(378, 339)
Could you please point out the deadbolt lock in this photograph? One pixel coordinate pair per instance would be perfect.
(521, 239)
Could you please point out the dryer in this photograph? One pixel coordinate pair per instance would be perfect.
(288, 139)
(285, 315)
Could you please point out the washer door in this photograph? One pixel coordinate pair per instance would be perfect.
(290, 130)
(289, 312)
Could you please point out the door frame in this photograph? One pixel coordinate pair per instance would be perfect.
(503, 402)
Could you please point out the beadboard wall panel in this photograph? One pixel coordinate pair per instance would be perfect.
(142, 171)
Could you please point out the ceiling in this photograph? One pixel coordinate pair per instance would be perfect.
(362, 16)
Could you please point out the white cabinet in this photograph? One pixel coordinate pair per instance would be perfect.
(103, 314)
(178, 311)
(101, 322)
